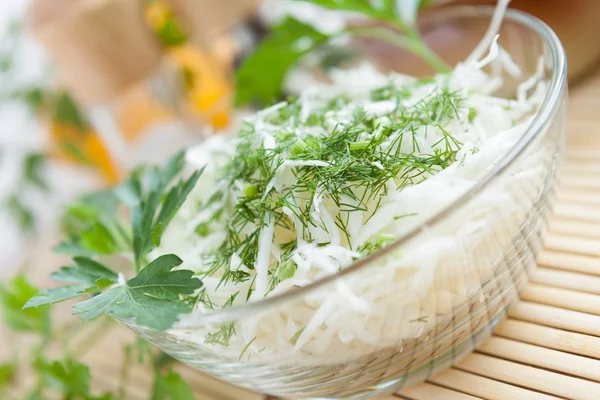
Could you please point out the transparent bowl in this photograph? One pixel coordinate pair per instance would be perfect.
(453, 276)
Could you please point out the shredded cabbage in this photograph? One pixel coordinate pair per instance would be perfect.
(408, 293)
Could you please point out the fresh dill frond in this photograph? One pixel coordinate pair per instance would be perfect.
(222, 336)
(345, 161)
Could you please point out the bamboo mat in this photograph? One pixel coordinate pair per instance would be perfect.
(548, 348)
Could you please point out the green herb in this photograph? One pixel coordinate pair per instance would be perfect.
(70, 378)
(261, 75)
(222, 336)
(171, 386)
(296, 336)
(472, 114)
(7, 374)
(32, 170)
(20, 212)
(13, 296)
(136, 299)
(67, 112)
(150, 298)
(91, 277)
(354, 173)
(171, 34)
(65, 377)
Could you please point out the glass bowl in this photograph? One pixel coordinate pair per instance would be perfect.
(453, 276)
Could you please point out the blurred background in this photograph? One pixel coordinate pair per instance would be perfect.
(90, 88)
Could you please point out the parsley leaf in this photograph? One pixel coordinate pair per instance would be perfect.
(148, 227)
(94, 227)
(13, 296)
(171, 386)
(69, 378)
(56, 295)
(152, 298)
(286, 45)
(99, 239)
(84, 271)
(91, 276)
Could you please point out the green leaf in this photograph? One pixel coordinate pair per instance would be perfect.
(79, 217)
(173, 167)
(99, 239)
(72, 246)
(84, 271)
(35, 395)
(97, 206)
(13, 297)
(66, 111)
(171, 386)
(286, 45)
(171, 34)
(69, 377)
(129, 192)
(157, 280)
(148, 227)
(56, 295)
(35, 98)
(21, 213)
(93, 226)
(174, 200)
(152, 298)
(7, 374)
(32, 170)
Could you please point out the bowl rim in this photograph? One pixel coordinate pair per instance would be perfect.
(538, 126)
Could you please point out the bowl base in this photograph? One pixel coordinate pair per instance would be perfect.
(425, 371)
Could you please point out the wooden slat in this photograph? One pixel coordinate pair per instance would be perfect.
(554, 360)
(530, 377)
(582, 154)
(588, 181)
(570, 342)
(568, 299)
(486, 388)
(569, 262)
(567, 280)
(556, 317)
(578, 195)
(427, 391)
(570, 244)
(583, 212)
(571, 227)
(582, 167)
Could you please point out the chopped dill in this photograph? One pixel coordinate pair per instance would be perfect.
(246, 347)
(222, 336)
(347, 162)
(294, 338)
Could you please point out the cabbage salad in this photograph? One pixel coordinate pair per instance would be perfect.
(307, 187)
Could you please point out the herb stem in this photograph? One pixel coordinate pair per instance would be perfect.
(412, 42)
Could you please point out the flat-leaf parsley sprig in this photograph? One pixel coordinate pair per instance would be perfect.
(157, 295)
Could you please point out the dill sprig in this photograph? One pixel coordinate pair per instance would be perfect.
(348, 162)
